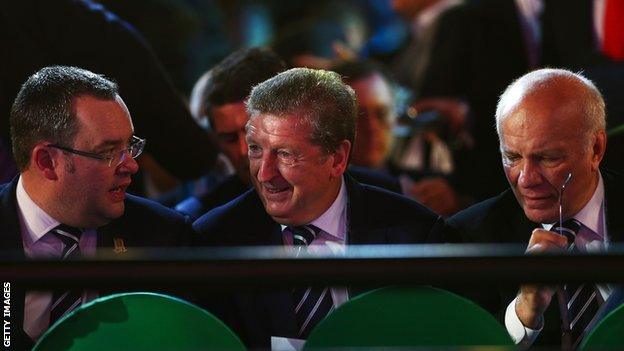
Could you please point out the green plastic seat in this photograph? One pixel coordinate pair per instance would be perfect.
(608, 334)
(404, 317)
(139, 321)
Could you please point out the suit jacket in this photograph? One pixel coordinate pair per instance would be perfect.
(375, 216)
(501, 220)
(143, 224)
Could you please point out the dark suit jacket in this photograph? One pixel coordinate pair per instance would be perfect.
(501, 220)
(375, 216)
(144, 224)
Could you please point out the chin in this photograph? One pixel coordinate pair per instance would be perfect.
(115, 211)
(538, 216)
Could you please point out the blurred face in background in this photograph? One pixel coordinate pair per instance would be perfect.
(374, 121)
(228, 123)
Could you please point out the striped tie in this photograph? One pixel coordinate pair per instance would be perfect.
(312, 303)
(583, 300)
(65, 301)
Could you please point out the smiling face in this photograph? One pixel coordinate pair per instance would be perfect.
(542, 140)
(294, 178)
(90, 192)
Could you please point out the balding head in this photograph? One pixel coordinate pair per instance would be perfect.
(555, 89)
(551, 124)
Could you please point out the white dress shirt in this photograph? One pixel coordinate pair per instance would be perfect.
(332, 238)
(35, 225)
(592, 237)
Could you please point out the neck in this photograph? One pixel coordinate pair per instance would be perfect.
(41, 194)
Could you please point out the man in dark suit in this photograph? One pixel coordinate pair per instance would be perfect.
(551, 124)
(74, 145)
(300, 133)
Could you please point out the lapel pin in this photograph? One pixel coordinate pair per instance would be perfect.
(119, 245)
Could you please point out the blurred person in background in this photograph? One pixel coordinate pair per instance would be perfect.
(83, 33)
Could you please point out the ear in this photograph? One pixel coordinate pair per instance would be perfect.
(42, 160)
(340, 158)
(599, 147)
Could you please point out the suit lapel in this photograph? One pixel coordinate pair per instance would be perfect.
(10, 233)
(513, 226)
(358, 231)
(114, 235)
(11, 239)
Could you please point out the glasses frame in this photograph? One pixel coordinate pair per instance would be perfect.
(121, 154)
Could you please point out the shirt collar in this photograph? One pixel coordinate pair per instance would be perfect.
(587, 215)
(36, 222)
(333, 221)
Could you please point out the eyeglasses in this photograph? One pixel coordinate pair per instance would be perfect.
(114, 157)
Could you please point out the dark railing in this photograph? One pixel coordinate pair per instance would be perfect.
(228, 268)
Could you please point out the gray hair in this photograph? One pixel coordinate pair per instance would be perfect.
(536, 82)
(43, 109)
(320, 96)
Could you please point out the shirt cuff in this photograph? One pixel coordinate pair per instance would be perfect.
(520, 334)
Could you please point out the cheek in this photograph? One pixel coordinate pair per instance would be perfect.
(512, 173)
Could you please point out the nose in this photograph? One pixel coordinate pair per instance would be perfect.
(267, 169)
(128, 165)
(530, 175)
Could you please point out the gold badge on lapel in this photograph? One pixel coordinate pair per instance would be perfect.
(119, 245)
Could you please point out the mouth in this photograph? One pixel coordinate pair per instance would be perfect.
(118, 193)
(538, 201)
(276, 193)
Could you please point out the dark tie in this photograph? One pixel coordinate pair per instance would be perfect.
(311, 303)
(582, 300)
(65, 301)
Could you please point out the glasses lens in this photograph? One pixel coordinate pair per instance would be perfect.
(137, 147)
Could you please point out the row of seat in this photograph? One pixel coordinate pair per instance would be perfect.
(395, 317)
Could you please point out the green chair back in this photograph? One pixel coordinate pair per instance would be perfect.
(608, 334)
(139, 321)
(408, 317)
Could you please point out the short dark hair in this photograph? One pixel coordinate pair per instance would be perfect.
(319, 96)
(231, 80)
(43, 107)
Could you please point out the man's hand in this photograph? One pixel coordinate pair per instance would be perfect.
(534, 299)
